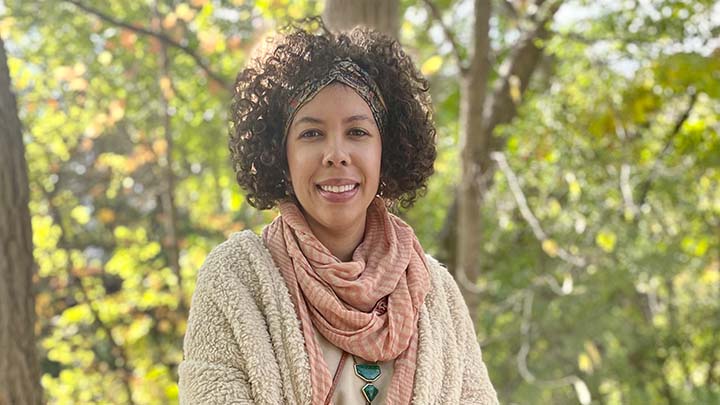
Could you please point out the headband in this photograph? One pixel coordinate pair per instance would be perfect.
(347, 72)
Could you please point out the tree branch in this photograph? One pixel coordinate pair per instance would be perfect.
(527, 214)
(160, 36)
(522, 356)
(516, 73)
(437, 15)
(645, 187)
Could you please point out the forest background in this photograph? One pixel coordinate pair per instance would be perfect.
(597, 275)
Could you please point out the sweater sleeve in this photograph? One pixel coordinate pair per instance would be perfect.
(209, 373)
(476, 385)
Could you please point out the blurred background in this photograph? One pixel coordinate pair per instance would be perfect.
(576, 197)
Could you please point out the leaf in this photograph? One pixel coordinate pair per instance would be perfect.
(431, 65)
(128, 39)
(584, 363)
(606, 240)
(81, 214)
(550, 247)
(106, 215)
(184, 12)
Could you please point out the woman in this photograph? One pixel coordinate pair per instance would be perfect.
(336, 302)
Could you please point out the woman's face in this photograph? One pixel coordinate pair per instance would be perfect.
(334, 152)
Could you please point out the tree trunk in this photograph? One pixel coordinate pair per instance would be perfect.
(19, 369)
(480, 115)
(381, 15)
(474, 151)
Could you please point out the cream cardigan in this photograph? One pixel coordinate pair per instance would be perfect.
(244, 344)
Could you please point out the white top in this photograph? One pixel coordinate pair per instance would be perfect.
(349, 388)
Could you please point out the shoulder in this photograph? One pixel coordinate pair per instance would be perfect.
(442, 282)
(445, 300)
(239, 269)
(241, 252)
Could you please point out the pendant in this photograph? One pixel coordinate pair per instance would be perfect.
(368, 373)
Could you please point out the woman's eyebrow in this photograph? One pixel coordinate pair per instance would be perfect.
(307, 119)
(312, 120)
(354, 118)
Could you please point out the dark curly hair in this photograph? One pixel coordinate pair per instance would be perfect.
(263, 90)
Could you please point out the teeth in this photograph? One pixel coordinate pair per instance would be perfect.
(338, 189)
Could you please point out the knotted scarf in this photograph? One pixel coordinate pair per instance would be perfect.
(368, 307)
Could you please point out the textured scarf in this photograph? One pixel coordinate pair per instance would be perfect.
(367, 307)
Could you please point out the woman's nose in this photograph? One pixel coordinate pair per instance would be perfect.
(336, 153)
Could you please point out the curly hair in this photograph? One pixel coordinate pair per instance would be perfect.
(263, 90)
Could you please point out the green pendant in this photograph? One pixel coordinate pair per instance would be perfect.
(368, 372)
(370, 392)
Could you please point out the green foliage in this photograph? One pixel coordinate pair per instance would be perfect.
(615, 147)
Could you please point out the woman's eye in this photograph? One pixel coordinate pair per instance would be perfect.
(310, 134)
(358, 132)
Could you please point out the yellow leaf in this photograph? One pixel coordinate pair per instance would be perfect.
(79, 69)
(78, 313)
(81, 214)
(584, 363)
(184, 12)
(554, 207)
(169, 21)
(606, 240)
(105, 58)
(117, 110)
(515, 89)
(166, 87)
(710, 276)
(159, 146)
(78, 84)
(65, 73)
(432, 65)
(593, 352)
(6, 25)
(171, 391)
(211, 40)
(128, 39)
(550, 247)
(106, 215)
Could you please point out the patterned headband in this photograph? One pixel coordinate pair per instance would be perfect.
(347, 72)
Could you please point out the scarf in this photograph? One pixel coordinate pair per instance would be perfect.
(368, 307)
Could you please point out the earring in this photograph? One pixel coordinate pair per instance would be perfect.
(288, 184)
(381, 188)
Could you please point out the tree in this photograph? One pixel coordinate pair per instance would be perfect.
(480, 114)
(19, 370)
(600, 271)
(381, 15)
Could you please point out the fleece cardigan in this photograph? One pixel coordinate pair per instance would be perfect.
(244, 345)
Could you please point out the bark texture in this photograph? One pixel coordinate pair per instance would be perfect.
(381, 15)
(19, 369)
(473, 147)
(480, 115)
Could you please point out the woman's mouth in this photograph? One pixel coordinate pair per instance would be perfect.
(338, 194)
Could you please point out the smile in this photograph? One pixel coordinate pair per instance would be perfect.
(338, 194)
(338, 189)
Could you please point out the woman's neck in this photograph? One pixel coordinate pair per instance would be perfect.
(341, 243)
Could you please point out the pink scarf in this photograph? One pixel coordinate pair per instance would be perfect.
(367, 307)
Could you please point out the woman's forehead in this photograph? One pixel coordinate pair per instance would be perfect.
(336, 100)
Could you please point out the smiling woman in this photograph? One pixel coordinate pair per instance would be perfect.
(336, 302)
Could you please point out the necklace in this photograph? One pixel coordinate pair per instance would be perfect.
(369, 373)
